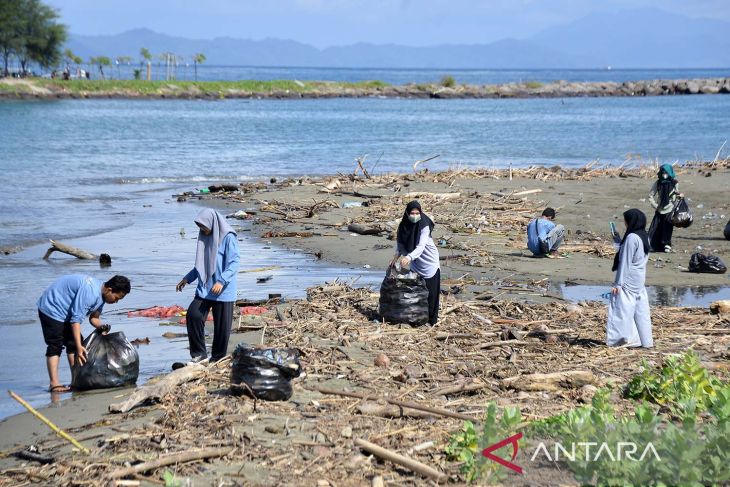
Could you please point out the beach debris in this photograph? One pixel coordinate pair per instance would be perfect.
(240, 215)
(382, 360)
(49, 423)
(261, 280)
(253, 310)
(708, 264)
(174, 459)
(141, 341)
(720, 307)
(361, 229)
(158, 312)
(401, 460)
(104, 259)
(572, 379)
(170, 334)
(34, 455)
(157, 390)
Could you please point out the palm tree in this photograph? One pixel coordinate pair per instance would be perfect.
(122, 60)
(146, 55)
(101, 61)
(199, 58)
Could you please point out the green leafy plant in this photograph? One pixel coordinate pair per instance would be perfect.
(466, 446)
(681, 379)
(533, 85)
(170, 480)
(448, 81)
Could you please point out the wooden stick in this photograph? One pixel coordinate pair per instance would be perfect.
(67, 249)
(529, 191)
(412, 405)
(160, 388)
(182, 457)
(48, 423)
(401, 460)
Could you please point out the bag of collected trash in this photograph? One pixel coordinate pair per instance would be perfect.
(404, 298)
(266, 371)
(727, 231)
(708, 264)
(111, 361)
(681, 214)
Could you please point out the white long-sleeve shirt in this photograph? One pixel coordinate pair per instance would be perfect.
(425, 257)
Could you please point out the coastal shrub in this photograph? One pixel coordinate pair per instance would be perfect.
(448, 81)
(533, 85)
(680, 380)
(466, 446)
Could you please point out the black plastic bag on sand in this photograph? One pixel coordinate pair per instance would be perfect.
(404, 298)
(267, 372)
(708, 264)
(112, 361)
(727, 231)
(682, 215)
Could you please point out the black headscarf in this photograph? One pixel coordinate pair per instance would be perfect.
(635, 223)
(665, 186)
(409, 232)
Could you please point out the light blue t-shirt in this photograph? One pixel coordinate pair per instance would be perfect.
(72, 298)
(226, 270)
(538, 229)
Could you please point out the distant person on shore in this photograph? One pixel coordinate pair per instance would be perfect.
(63, 306)
(415, 248)
(216, 269)
(544, 236)
(629, 318)
(663, 196)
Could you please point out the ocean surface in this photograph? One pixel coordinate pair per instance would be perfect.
(403, 76)
(100, 175)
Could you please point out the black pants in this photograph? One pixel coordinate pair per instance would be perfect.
(57, 334)
(434, 293)
(222, 319)
(660, 231)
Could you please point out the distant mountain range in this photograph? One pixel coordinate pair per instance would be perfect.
(643, 38)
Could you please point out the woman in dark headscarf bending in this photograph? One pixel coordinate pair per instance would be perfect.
(629, 318)
(663, 196)
(216, 268)
(415, 247)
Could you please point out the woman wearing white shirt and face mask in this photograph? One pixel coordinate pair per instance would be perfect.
(415, 244)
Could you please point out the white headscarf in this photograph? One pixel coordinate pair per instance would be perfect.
(207, 251)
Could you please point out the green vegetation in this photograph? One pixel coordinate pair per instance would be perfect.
(29, 32)
(101, 61)
(199, 58)
(171, 88)
(448, 81)
(533, 85)
(689, 433)
(466, 446)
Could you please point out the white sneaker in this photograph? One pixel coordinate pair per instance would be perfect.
(667, 249)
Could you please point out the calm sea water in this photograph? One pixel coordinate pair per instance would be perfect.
(403, 76)
(99, 174)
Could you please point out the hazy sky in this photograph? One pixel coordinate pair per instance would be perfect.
(337, 22)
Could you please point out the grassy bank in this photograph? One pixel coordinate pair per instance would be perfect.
(40, 86)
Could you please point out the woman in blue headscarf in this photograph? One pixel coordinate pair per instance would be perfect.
(663, 196)
(216, 268)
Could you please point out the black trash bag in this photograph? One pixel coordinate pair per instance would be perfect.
(682, 215)
(707, 264)
(404, 298)
(727, 231)
(112, 361)
(266, 371)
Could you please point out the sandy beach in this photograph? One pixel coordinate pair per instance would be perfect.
(501, 319)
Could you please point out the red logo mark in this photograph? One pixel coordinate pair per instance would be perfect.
(487, 452)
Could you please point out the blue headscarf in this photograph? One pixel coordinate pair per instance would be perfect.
(207, 250)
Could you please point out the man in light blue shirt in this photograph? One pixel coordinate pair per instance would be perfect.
(61, 309)
(544, 236)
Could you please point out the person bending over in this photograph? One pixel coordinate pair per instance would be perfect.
(61, 309)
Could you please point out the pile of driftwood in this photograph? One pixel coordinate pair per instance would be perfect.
(377, 402)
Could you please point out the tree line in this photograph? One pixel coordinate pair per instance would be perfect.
(30, 33)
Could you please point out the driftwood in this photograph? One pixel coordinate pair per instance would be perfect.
(459, 388)
(438, 196)
(401, 460)
(173, 459)
(67, 249)
(411, 405)
(159, 389)
(720, 307)
(273, 234)
(372, 408)
(361, 229)
(572, 379)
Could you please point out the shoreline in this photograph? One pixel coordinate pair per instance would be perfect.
(308, 436)
(46, 89)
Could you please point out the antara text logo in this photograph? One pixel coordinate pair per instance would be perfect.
(592, 452)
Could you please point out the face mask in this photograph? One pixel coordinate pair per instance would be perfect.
(665, 176)
(414, 218)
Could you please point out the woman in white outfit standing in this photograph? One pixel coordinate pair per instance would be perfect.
(629, 318)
